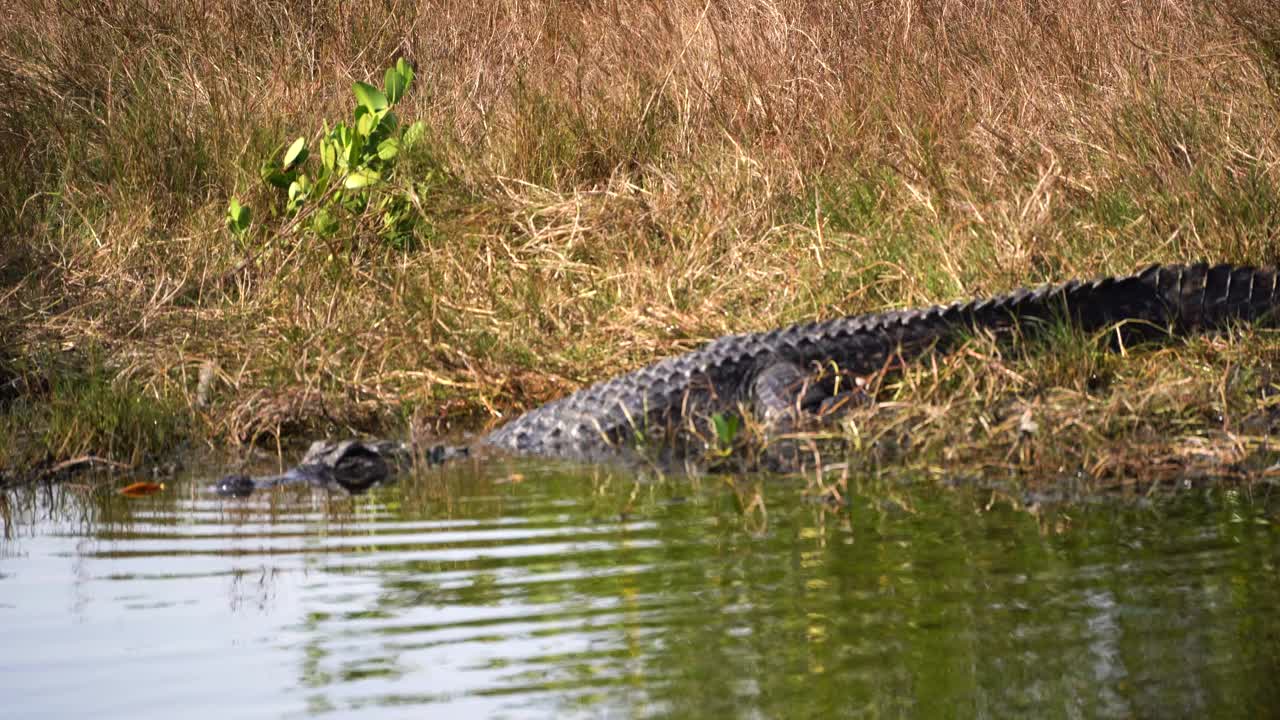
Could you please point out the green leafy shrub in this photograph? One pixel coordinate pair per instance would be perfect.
(354, 186)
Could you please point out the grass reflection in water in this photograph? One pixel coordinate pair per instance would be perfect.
(555, 591)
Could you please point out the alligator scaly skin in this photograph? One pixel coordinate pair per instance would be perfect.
(600, 420)
(610, 418)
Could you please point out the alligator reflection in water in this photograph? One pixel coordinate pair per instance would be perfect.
(472, 593)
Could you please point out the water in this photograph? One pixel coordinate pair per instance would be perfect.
(536, 591)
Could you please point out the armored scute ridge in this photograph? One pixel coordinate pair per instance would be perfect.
(772, 374)
(724, 374)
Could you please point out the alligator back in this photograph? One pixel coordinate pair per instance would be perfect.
(603, 418)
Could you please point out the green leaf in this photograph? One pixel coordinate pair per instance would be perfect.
(296, 154)
(320, 184)
(238, 217)
(273, 175)
(386, 125)
(279, 179)
(365, 123)
(323, 223)
(396, 84)
(726, 427)
(349, 144)
(355, 203)
(298, 190)
(413, 134)
(328, 154)
(362, 177)
(369, 97)
(388, 149)
(353, 150)
(405, 70)
(343, 139)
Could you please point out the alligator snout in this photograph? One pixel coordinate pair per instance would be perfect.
(234, 486)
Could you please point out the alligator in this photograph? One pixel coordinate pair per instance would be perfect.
(783, 376)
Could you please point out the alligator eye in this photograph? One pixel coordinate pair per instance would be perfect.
(234, 486)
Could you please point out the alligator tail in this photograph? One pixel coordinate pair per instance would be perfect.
(1148, 305)
(1180, 298)
(1158, 300)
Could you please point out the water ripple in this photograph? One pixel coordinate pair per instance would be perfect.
(600, 594)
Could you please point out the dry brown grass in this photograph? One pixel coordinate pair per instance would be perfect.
(619, 181)
(1068, 417)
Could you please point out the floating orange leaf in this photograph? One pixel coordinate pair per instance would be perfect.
(141, 489)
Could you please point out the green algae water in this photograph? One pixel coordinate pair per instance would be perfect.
(541, 591)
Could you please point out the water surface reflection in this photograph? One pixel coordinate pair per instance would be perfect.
(557, 591)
